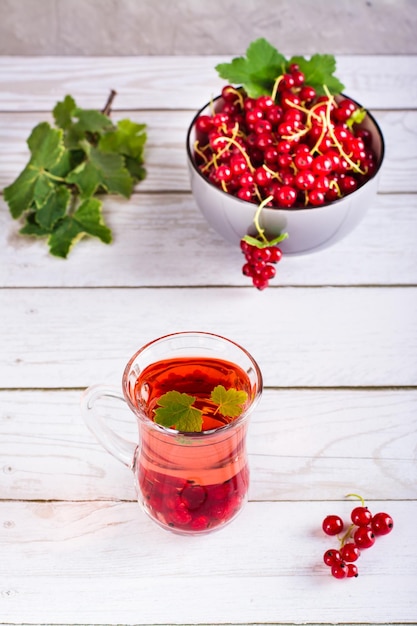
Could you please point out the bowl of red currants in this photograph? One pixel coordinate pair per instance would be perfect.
(290, 160)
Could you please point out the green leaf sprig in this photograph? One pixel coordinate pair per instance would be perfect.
(258, 71)
(84, 156)
(176, 410)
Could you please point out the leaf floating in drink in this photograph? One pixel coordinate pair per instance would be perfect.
(176, 410)
(230, 401)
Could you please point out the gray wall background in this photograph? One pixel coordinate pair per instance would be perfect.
(187, 27)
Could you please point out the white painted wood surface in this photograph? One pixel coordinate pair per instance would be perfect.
(336, 338)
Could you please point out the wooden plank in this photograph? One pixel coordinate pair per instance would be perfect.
(158, 238)
(166, 152)
(319, 337)
(108, 564)
(182, 82)
(302, 445)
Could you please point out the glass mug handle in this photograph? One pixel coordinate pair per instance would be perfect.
(119, 447)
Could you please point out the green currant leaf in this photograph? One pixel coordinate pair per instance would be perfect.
(87, 220)
(66, 166)
(92, 121)
(102, 170)
(32, 228)
(127, 139)
(34, 184)
(257, 71)
(54, 208)
(65, 235)
(176, 410)
(63, 112)
(319, 71)
(259, 243)
(230, 401)
(89, 217)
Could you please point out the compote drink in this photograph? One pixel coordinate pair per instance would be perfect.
(192, 481)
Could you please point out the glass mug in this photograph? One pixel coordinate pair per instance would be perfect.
(188, 482)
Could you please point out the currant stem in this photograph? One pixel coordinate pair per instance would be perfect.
(107, 107)
(353, 165)
(355, 495)
(275, 88)
(347, 535)
(260, 230)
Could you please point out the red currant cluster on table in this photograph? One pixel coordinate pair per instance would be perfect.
(360, 535)
(291, 149)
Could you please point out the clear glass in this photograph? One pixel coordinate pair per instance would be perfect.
(187, 482)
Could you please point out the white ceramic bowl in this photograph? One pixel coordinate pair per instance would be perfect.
(309, 229)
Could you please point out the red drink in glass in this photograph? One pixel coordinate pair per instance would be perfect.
(191, 476)
(200, 481)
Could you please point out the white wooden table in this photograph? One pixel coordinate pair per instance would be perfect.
(335, 336)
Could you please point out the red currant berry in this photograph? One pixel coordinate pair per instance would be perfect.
(364, 537)
(361, 516)
(332, 525)
(339, 570)
(259, 282)
(351, 570)
(332, 557)
(350, 552)
(247, 270)
(307, 94)
(268, 272)
(229, 93)
(287, 196)
(276, 255)
(316, 197)
(382, 524)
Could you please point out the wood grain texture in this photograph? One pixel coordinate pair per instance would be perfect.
(302, 444)
(72, 338)
(181, 82)
(335, 337)
(108, 563)
(151, 230)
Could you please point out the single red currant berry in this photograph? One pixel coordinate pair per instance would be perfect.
(332, 525)
(268, 272)
(361, 516)
(350, 552)
(260, 283)
(245, 193)
(364, 537)
(261, 254)
(339, 570)
(287, 196)
(276, 255)
(382, 524)
(229, 93)
(332, 557)
(351, 571)
(316, 197)
(247, 269)
(307, 93)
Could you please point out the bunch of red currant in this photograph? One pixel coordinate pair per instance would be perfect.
(361, 534)
(299, 148)
(291, 149)
(260, 263)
